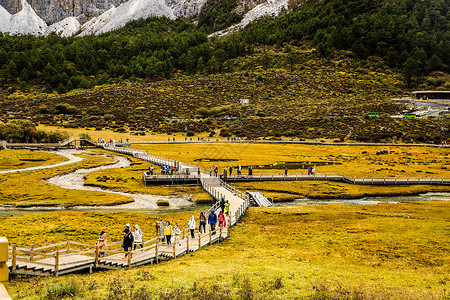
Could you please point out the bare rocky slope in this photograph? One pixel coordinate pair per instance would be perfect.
(69, 17)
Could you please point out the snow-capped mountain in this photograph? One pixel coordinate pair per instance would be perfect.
(269, 8)
(27, 21)
(67, 27)
(5, 20)
(113, 17)
(117, 17)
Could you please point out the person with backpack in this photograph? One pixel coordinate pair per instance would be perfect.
(176, 234)
(127, 240)
(202, 219)
(191, 226)
(137, 235)
(222, 204)
(101, 242)
(161, 230)
(168, 231)
(226, 209)
(222, 222)
(212, 220)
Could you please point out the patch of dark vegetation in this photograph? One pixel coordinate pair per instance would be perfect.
(215, 159)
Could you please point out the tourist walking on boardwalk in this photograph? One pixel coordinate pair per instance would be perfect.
(168, 231)
(157, 228)
(161, 230)
(198, 171)
(150, 169)
(285, 171)
(212, 220)
(250, 170)
(127, 239)
(222, 222)
(137, 235)
(176, 234)
(202, 220)
(101, 243)
(231, 170)
(191, 226)
(222, 204)
(309, 171)
(210, 171)
(227, 208)
(239, 170)
(313, 171)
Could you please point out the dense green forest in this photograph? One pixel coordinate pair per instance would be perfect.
(411, 35)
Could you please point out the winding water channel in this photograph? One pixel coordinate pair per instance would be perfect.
(147, 203)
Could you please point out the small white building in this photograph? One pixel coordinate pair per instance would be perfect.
(244, 101)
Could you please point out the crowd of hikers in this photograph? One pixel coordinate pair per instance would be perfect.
(166, 233)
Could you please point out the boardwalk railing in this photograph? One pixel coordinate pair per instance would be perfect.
(4, 276)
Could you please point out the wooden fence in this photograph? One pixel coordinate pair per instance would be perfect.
(4, 272)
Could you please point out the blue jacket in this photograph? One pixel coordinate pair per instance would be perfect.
(212, 219)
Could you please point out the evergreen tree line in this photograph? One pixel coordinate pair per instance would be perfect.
(412, 35)
(150, 48)
(409, 34)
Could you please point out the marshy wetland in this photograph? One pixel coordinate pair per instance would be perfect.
(397, 248)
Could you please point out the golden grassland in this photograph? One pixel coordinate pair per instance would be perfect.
(349, 160)
(291, 190)
(130, 180)
(113, 135)
(27, 189)
(384, 251)
(21, 159)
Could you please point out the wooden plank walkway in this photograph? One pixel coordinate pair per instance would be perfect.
(33, 261)
(71, 256)
(63, 144)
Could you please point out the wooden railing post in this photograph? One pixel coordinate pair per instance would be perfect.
(187, 244)
(210, 240)
(4, 276)
(57, 263)
(174, 251)
(96, 256)
(220, 232)
(31, 252)
(199, 240)
(14, 257)
(156, 251)
(129, 257)
(68, 244)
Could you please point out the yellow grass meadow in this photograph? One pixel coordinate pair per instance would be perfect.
(384, 251)
(21, 159)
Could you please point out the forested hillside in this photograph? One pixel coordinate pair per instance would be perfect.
(411, 35)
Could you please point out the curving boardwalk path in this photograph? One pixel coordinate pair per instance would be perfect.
(71, 256)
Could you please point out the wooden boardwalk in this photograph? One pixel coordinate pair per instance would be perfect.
(71, 256)
(67, 143)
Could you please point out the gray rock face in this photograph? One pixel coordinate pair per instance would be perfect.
(52, 11)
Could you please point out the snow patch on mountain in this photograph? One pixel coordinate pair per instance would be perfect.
(67, 27)
(27, 21)
(117, 17)
(270, 8)
(5, 20)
